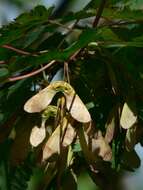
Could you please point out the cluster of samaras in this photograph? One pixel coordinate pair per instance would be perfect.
(69, 111)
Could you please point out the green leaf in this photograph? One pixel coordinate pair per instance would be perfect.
(136, 4)
(69, 180)
(3, 178)
(26, 22)
(77, 147)
(86, 37)
(77, 16)
(38, 13)
(125, 14)
(33, 35)
(12, 98)
(4, 73)
(85, 182)
(107, 38)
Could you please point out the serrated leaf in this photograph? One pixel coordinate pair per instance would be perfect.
(128, 117)
(37, 136)
(26, 22)
(38, 13)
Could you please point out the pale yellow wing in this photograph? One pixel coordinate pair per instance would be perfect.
(37, 136)
(77, 108)
(128, 117)
(52, 145)
(40, 101)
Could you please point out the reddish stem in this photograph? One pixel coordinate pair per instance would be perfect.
(2, 62)
(16, 50)
(32, 73)
(99, 13)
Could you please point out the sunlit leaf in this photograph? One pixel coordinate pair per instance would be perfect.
(3, 73)
(128, 117)
(37, 135)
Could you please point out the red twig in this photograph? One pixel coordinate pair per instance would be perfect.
(17, 50)
(2, 62)
(32, 73)
(99, 13)
(73, 57)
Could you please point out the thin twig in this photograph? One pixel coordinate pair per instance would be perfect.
(121, 22)
(73, 57)
(59, 24)
(32, 73)
(66, 72)
(72, 102)
(2, 62)
(12, 79)
(17, 50)
(99, 13)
